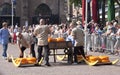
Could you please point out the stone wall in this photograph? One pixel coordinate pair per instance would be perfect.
(29, 12)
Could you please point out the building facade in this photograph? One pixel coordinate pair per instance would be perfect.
(30, 11)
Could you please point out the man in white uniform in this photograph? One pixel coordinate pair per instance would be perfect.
(24, 40)
(78, 36)
(41, 32)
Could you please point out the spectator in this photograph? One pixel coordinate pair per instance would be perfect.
(4, 35)
(117, 43)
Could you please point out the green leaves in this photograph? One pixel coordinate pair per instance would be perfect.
(76, 2)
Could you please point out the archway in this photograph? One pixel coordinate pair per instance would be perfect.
(42, 11)
(5, 9)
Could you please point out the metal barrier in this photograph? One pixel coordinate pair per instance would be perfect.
(101, 43)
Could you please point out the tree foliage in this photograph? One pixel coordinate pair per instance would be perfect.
(76, 2)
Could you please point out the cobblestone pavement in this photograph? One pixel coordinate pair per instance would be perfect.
(58, 68)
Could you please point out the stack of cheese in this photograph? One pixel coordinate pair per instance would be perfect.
(101, 59)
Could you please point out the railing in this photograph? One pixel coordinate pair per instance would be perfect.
(102, 43)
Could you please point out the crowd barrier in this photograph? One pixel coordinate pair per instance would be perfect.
(96, 42)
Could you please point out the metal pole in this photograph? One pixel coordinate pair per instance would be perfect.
(86, 27)
(103, 12)
(69, 11)
(12, 13)
(68, 3)
(58, 11)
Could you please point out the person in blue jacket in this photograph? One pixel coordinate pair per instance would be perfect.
(4, 39)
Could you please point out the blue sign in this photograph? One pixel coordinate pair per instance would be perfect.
(88, 1)
(14, 2)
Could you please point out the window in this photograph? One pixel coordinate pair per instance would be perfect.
(5, 9)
